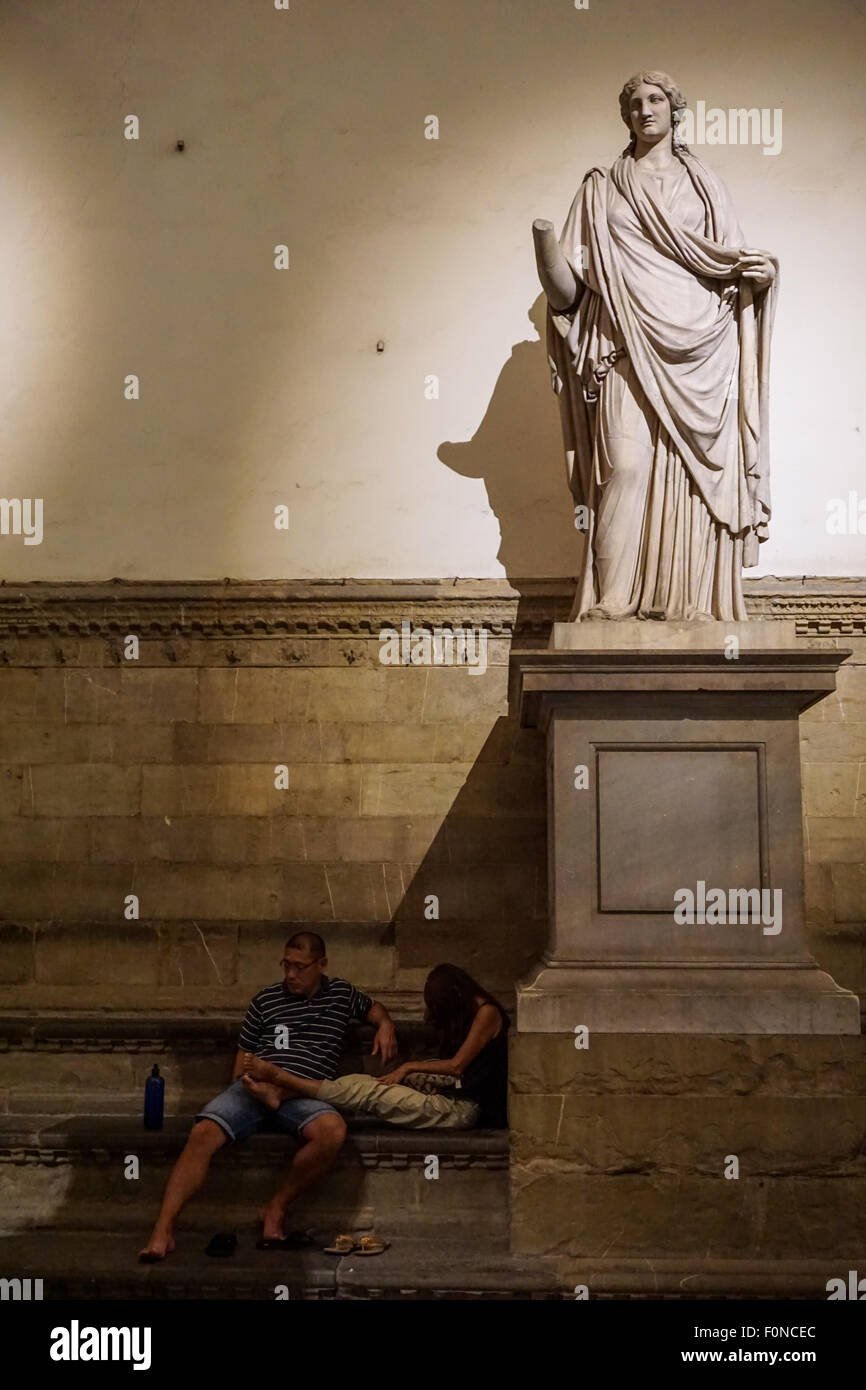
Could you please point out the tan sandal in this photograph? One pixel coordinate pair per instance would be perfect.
(372, 1245)
(343, 1245)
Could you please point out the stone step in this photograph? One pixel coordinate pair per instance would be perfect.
(103, 1264)
(67, 1173)
(96, 1264)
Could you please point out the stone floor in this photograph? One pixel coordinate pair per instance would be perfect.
(103, 1265)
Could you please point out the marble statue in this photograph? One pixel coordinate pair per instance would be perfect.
(658, 331)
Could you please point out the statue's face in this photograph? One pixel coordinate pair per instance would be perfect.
(650, 113)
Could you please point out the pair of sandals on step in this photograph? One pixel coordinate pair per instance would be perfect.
(342, 1245)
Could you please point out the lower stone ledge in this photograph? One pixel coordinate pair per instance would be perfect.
(105, 1140)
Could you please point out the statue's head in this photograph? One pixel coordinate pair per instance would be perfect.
(646, 114)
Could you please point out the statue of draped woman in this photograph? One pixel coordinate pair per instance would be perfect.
(658, 333)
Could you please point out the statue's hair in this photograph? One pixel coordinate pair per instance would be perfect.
(674, 96)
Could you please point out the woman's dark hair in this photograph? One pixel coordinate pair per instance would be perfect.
(451, 996)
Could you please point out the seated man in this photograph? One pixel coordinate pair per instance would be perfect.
(300, 1024)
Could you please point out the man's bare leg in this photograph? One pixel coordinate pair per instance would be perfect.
(322, 1140)
(186, 1177)
(322, 1137)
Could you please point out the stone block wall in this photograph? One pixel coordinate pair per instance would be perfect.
(412, 829)
(833, 754)
(623, 1151)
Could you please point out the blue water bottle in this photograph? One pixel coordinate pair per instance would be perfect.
(154, 1099)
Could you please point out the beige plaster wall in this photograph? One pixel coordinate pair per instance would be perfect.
(306, 127)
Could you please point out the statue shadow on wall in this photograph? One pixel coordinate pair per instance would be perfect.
(486, 867)
(517, 450)
(484, 872)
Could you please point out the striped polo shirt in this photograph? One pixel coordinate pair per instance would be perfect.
(304, 1036)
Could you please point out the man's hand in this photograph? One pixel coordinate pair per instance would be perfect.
(385, 1042)
(756, 267)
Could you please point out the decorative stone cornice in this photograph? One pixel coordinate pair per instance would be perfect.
(820, 607)
(296, 608)
(362, 607)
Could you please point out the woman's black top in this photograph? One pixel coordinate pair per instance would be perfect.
(485, 1080)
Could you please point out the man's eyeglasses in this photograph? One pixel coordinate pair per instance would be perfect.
(293, 965)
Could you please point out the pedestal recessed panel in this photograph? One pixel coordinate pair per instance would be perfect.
(670, 817)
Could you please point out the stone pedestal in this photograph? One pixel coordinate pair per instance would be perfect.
(674, 830)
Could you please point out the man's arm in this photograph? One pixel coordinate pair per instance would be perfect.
(385, 1041)
(384, 1046)
(248, 1038)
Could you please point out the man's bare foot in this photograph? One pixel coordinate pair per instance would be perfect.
(259, 1069)
(159, 1245)
(271, 1096)
(272, 1223)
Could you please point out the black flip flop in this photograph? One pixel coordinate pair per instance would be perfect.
(224, 1243)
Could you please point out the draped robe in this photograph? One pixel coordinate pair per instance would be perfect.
(659, 300)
